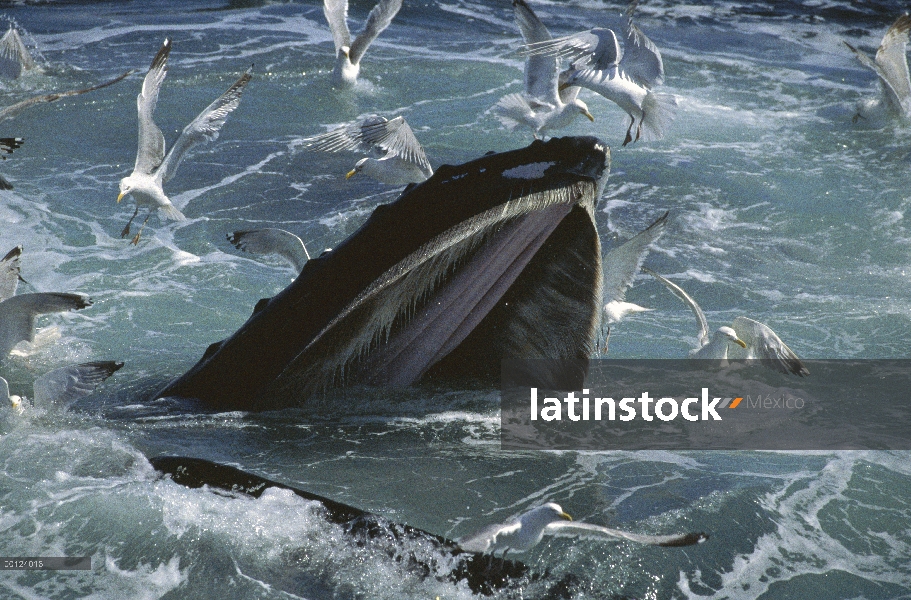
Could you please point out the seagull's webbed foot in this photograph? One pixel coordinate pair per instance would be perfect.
(857, 117)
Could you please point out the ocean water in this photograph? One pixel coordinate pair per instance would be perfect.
(782, 209)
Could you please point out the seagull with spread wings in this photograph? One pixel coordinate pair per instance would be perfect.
(527, 530)
(891, 66)
(61, 387)
(624, 76)
(14, 56)
(541, 105)
(745, 338)
(620, 266)
(153, 167)
(349, 53)
(272, 241)
(397, 158)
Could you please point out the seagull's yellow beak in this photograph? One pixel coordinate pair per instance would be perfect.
(120, 196)
(589, 115)
(350, 173)
(566, 516)
(740, 343)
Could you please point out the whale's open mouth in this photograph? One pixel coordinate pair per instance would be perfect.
(496, 258)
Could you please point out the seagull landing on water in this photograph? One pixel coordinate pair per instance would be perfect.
(153, 168)
(272, 241)
(541, 106)
(526, 531)
(397, 158)
(744, 339)
(891, 66)
(624, 77)
(14, 56)
(349, 54)
(61, 387)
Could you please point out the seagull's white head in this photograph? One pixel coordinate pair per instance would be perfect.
(730, 335)
(582, 107)
(126, 186)
(358, 167)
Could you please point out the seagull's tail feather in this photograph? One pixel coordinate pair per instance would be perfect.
(512, 110)
(172, 213)
(658, 112)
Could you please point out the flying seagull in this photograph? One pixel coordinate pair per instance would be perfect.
(348, 53)
(621, 265)
(625, 77)
(755, 338)
(891, 66)
(272, 241)
(541, 105)
(527, 530)
(17, 315)
(63, 386)
(397, 158)
(153, 167)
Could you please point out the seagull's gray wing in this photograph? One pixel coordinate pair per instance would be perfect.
(336, 12)
(4, 393)
(272, 241)
(396, 138)
(65, 385)
(641, 57)
(587, 530)
(764, 344)
(150, 152)
(892, 60)
(623, 262)
(540, 70)
(889, 93)
(360, 136)
(14, 109)
(378, 20)
(205, 127)
(678, 291)
(486, 538)
(568, 93)
(17, 315)
(9, 273)
(592, 49)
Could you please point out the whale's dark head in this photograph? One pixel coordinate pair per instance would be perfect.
(495, 258)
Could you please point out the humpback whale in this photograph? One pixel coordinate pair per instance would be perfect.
(495, 258)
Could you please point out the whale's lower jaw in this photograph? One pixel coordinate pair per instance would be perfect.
(497, 258)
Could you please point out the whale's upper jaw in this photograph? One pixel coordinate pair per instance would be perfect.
(495, 258)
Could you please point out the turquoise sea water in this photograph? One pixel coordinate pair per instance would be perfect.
(781, 210)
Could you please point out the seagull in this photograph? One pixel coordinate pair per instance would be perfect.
(524, 532)
(14, 56)
(755, 338)
(624, 77)
(620, 266)
(17, 315)
(272, 241)
(891, 66)
(153, 167)
(397, 156)
(541, 106)
(63, 386)
(348, 53)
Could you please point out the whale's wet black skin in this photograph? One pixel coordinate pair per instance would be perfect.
(495, 258)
